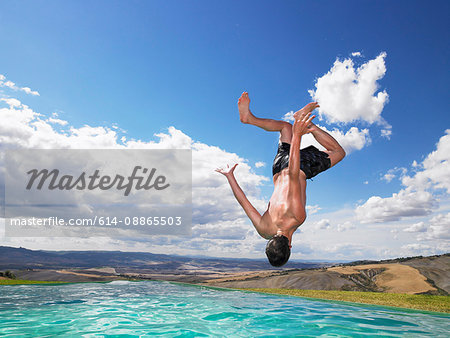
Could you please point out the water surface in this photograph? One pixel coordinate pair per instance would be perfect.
(178, 310)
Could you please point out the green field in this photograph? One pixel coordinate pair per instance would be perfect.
(418, 302)
(22, 281)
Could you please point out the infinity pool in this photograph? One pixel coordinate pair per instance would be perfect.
(124, 308)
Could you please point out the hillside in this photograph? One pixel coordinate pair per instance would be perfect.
(414, 275)
(79, 266)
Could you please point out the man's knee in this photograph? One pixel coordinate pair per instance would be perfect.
(341, 153)
(336, 155)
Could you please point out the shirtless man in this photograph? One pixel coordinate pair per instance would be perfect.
(291, 167)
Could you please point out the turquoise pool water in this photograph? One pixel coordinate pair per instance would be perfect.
(176, 310)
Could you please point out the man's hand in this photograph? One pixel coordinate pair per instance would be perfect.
(228, 171)
(312, 127)
(306, 109)
(302, 124)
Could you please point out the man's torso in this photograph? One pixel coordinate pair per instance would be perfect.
(280, 213)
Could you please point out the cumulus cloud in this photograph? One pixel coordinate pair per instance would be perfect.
(58, 121)
(346, 94)
(260, 164)
(439, 228)
(345, 226)
(348, 249)
(417, 198)
(392, 173)
(394, 233)
(214, 206)
(431, 248)
(322, 224)
(405, 203)
(417, 248)
(13, 86)
(289, 116)
(386, 133)
(352, 140)
(434, 171)
(416, 227)
(312, 209)
(388, 177)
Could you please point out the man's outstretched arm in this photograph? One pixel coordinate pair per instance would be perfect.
(249, 209)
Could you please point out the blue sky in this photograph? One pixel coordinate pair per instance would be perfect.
(147, 65)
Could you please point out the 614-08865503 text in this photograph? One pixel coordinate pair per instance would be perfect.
(92, 192)
(99, 221)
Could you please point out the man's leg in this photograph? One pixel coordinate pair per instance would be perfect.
(334, 149)
(246, 116)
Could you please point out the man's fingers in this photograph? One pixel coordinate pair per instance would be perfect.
(305, 118)
(299, 114)
(310, 119)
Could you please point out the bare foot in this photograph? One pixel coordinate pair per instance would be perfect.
(244, 110)
(306, 109)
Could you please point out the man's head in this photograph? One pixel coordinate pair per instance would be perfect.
(278, 250)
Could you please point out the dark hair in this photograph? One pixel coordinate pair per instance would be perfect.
(277, 250)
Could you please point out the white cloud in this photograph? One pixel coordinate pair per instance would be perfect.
(353, 139)
(417, 198)
(343, 250)
(434, 171)
(289, 116)
(416, 227)
(260, 164)
(29, 91)
(312, 209)
(346, 94)
(395, 233)
(13, 86)
(345, 226)
(405, 203)
(214, 206)
(439, 228)
(57, 121)
(388, 177)
(392, 173)
(322, 224)
(416, 247)
(386, 133)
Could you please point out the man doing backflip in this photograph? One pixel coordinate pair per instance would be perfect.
(291, 167)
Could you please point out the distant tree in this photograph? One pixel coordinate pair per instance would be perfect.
(9, 274)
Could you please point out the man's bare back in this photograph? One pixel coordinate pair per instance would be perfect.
(286, 209)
